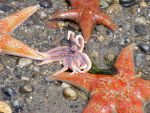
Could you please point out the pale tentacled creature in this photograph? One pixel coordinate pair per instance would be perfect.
(72, 56)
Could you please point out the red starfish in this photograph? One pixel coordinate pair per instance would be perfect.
(86, 13)
(121, 93)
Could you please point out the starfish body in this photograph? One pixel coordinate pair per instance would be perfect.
(121, 93)
(9, 45)
(87, 14)
(72, 56)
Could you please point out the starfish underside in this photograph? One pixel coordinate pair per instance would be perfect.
(121, 93)
(9, 45)
(86, 13)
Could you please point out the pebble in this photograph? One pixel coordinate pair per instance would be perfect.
(124, 41)
(139, 60)
(1, 67)
(127, 3)
(143, 4)
(18, 107)
(8, 60)
(140, 20)
(73, 26)
(140, 29)
(5, 108)
(144, 47)
(43, 15)
(101, 38)
(26, 88)
(65, 85)
(70, 94)
(93, 54)
(104, 4)
(27, 79)
(5, 7)
(24, 62)
(8, 91)
(46, 3)
(114, 9)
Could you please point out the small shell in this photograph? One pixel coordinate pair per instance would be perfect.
(4, 108)
(70, 94)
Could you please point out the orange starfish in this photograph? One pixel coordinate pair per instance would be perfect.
(86, 13)
(9, 45)
(121, 93)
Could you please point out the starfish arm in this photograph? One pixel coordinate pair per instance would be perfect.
(76, 3)
(125, 62)
(86, 24)
(72, 14)
(143, 89)
(102, 18)
(84, 80)
(12, 46)
(10, 23)
(133, 105)
(98, 104)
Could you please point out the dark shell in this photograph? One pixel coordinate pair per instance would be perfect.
(127, 3)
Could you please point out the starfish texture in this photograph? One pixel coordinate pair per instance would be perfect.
(9, 45)
(86, 13)
(121, 93)
(72, 56)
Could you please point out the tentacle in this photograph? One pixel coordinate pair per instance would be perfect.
(63, 48)
(65, 63)
(80, 41)
(87, 60)
(50, 60)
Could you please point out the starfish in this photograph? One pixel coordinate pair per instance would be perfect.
(86, 13)
(72, 56)
(11, 46)
(123, 92)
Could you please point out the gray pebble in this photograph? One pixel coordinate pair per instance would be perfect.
(140, 29)
(17, 105)
(8, 91)
(144, 47)
(24, 62)
(46, 3)
(26, 88)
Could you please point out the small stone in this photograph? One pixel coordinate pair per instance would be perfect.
(8, 92)
(144, 47)
(104, 4)
(5, 7)
(27, 88)
(25, 78)
(24, 62)
(101, 38)
(127, 3)
(73, 26)
(5, 108)
(65, 85)
(114, 9)
(124, 41)
(43, 15)
(139, 60)
(8, 60)
(140, 20)
(70, 94)
(18, 107)
(140, 29)
(93, 54)
(1, 67)
(46, 3)
(143, 4)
